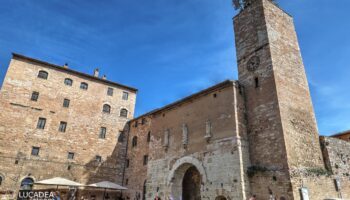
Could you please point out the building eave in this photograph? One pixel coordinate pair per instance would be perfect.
(77, 73)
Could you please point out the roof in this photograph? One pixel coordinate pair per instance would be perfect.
(57, 67)
(221, 85)
(341, 133)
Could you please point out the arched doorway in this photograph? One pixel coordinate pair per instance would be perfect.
(220, 198)
(191, 184)
(27, 184)
(186, 182)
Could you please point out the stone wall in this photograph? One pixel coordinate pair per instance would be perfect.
(18, 126)
(136, 171)
(337, 155)
(205, 131)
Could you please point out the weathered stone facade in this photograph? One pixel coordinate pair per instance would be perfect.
(255, 136)
(217, 146)
(84, 119)
(270, 147)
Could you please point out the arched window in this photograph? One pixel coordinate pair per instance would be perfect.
(124, 112)
(27, 184)
(134, 141)
(43, 74)
(84, 86)
(68, 81)
(1, 179)
(149, 136)
(106, 108)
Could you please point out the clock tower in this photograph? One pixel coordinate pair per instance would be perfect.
(282, 130)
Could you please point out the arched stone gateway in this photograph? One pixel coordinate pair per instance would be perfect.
(191, 185)
(186, 179)
(220, 198)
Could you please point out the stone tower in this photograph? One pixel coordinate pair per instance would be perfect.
(282, 129)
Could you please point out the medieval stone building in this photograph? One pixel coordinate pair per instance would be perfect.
(253, 136)
(56, 122)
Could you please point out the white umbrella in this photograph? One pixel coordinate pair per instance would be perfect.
(59, 182)
(108, 185)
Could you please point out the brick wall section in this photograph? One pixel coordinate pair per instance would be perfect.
(136, 173)
(343, 136)
(220, 159)
(19, 116)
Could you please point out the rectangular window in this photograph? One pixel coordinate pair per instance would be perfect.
(35, 151)
(125, 96)
(63, 126)
(98, 158)
(70, 155)
(66, 103)
(41, 123)
(127, 163)
(103, 132)
(35, 96)
(110, 92)
(121, 137)
(145, 159)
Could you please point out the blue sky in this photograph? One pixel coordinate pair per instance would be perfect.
(169, 49)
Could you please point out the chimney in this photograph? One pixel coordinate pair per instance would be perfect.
(65, 66)
(96, 72)
(104, 77)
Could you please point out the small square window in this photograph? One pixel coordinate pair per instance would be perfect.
(125, 96)
(66, 103)
(35, 96)
(123, 113)
(70, 155)
(63, 126)
(41, 123)
(35, 151)
(98, 158)
(43, 74)
(68, 82)
(84, 86)
(103, 132)
(110, 92)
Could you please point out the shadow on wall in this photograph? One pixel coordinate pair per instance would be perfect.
(112, 168)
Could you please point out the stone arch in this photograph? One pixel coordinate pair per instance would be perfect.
(220, 198)
(23, 179)
(177, 173)
(187, 161)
